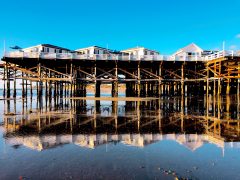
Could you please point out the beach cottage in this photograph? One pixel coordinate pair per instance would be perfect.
(46, 48)
(140, 51)
(93, 50)
(190, 52)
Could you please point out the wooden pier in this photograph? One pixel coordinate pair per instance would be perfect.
(150, 76)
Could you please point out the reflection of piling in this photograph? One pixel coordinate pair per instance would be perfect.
(182, 112)
(115, 112)
(98, 106)
(138, 114)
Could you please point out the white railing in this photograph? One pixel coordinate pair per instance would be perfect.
(117, 57)
(215, 55)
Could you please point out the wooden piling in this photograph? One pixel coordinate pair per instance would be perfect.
(31, 88)
(23, 86)
(8, 82)
(139, 80)
(207, 87)
(115, 83)
(182, 80)
(40, 88)
(15, 85)
(238, 81)
(97, 89)
(26, 87)
(4, 80)
(214, 81)
(219, 79)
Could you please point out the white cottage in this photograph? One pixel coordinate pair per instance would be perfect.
(190, 52)
(46, 48)
(93, 50)
(140, 51)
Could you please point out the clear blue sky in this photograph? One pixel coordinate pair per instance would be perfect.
(164, 25)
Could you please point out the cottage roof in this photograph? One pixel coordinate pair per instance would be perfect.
(90, 47)
(190, 48)
(50, 46)
(53, 46)
(98, 47)
(137, 48)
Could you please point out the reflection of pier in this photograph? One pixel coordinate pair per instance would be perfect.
(132, 123)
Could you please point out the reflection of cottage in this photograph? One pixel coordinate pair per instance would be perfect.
(139, 140)
(46, 48)
(133, 140)
(88, 141)
(40, 143)
(91, 141)
(190, 141)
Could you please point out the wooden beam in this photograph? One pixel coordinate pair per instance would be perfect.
(152, 74)
(128, 73)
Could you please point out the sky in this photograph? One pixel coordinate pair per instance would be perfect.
(163, 25)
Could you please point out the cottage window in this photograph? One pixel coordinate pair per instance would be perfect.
(96, 51)
(35, 50)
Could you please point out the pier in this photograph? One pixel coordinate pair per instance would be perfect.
(147, 75)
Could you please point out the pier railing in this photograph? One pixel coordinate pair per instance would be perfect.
(119, 57)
